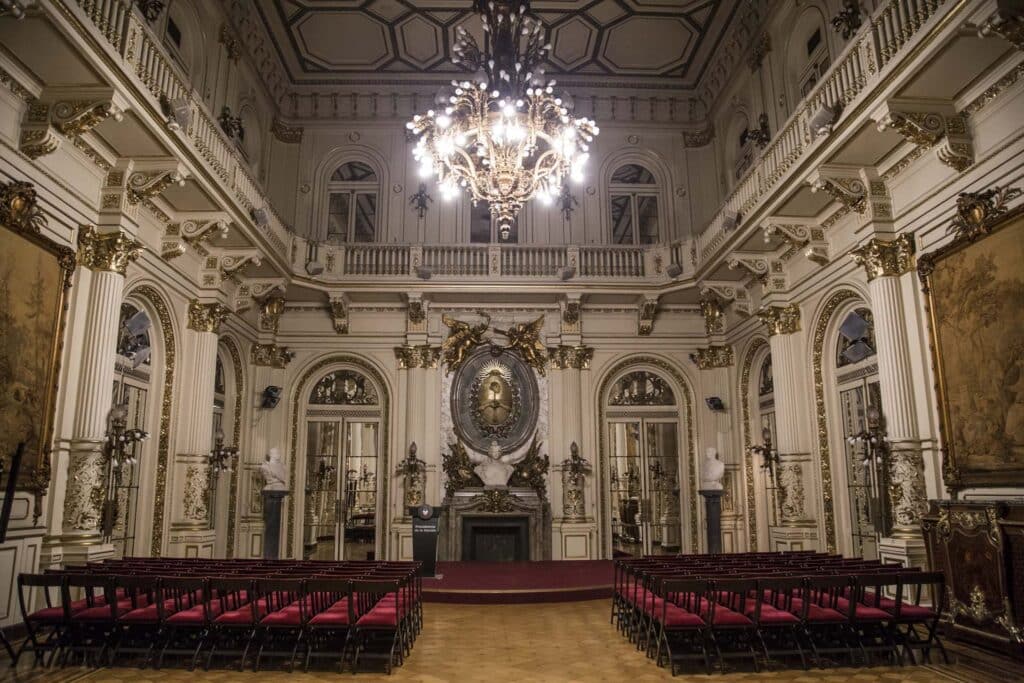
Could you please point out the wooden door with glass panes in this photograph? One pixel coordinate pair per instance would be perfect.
(341, 488)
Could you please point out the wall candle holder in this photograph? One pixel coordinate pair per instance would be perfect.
(118, 454)
(221, 459)
(877, 451)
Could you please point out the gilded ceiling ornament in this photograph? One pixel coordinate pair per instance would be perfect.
(780, 319)
(144, 185)
(462, 338)
(19, 207)
(575, 357)
(920, 128)
(755, 265)
(1007, 24)
(978, 212)
(713, 310)
(75, 118)
(524, 339)
(886, 258)
(271, 309)
(271, 355)
(107, 251)
(206, 317)
(38, 142)
(715, 357)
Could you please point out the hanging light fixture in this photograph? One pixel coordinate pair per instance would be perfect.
(504, 136)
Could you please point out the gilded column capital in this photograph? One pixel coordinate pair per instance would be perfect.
(206, 317)
(271, 355)
(714, 314)
(106, 251)
(575, 357)
(780, 319)
(886, 258)
(714, 357)
(419, 356)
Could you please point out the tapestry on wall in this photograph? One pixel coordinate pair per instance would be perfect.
(975, 291)
(35, 274)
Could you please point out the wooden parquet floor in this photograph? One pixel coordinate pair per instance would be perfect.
(543, 643)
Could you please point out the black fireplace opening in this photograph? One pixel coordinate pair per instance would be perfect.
(496, 539)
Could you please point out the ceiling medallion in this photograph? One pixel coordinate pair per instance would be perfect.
(503, 135)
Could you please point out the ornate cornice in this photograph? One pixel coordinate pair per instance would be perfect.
(144, 185)
(715, 357)
(271, 355)
(285, 133)
(850, 192)
(575, 357)
(886, 258)
(780, 319)
(420, 356)
(106, 251)
(700, 138)
(206, 317)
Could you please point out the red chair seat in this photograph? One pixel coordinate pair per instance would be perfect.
(339, 606)
(916, 612)
(283, 617)
(865, 613)
(330, 617)
(727, 617)
(677, 617)
(777, 617)
(379, 617)
(100, 613)
(142, 615)
(236, 617)
(823, 615)
(47, 615)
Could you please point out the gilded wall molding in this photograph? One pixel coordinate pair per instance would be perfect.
(824, 449)
(19, 207)
(270, 356)
(163, 443)
(206, 317)
(288, 134)
(715, 357)
(419, 356)
(713, 311)
(236, 431)
(574, 357)
(748, 456)
(780, 319)
(106, 251)
(886, 258)
(271, 309)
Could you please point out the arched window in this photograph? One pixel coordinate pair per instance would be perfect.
(856, 374)
(352, 193)
(644, 446)
(633, 194)
(342, 467)
(808, 56)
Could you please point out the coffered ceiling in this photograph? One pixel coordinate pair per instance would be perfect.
(660, 43)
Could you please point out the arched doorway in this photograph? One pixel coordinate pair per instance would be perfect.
(644, 441)
(344, 466)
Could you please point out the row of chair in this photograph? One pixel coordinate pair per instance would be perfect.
(347, 611)
(761, 606)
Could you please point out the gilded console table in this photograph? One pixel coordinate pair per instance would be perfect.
(980, 547)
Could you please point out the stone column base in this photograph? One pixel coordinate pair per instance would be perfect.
(910, 552)
(574, 541)
(80, 554)
(401, 539)
(191, 542)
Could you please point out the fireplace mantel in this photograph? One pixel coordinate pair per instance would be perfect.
(497, 503)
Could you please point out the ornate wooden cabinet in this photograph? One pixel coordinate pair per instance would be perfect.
(980, 547)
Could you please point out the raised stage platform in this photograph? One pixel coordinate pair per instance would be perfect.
(519, 582)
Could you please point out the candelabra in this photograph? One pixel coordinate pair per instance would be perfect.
(414, 472)
(875, 462)
(119, 454)
(769, 456)
(221, 459)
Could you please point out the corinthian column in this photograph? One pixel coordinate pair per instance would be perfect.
(795, 471)
(415, 361)
(886, 264)
(107, 256)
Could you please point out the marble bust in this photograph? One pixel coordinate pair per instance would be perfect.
(493, 469)
(275, 476)
(711, 471)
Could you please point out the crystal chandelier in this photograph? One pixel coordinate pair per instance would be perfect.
(504, 136)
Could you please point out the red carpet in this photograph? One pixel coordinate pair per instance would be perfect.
(519, 582)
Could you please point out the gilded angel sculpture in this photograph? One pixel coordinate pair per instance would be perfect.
(524, 338)
(462, 337)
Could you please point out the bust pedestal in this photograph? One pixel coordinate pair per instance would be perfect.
(272, 523)
(713, 518)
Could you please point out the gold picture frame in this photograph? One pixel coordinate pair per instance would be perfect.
(974, 295)
(35, 276)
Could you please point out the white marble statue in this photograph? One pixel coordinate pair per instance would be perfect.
(494, 469)
(711, 471)
(275, 476)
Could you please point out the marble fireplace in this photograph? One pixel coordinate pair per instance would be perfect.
(501, 524)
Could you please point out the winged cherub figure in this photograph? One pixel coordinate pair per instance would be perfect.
(524, 338)
(462, 337)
